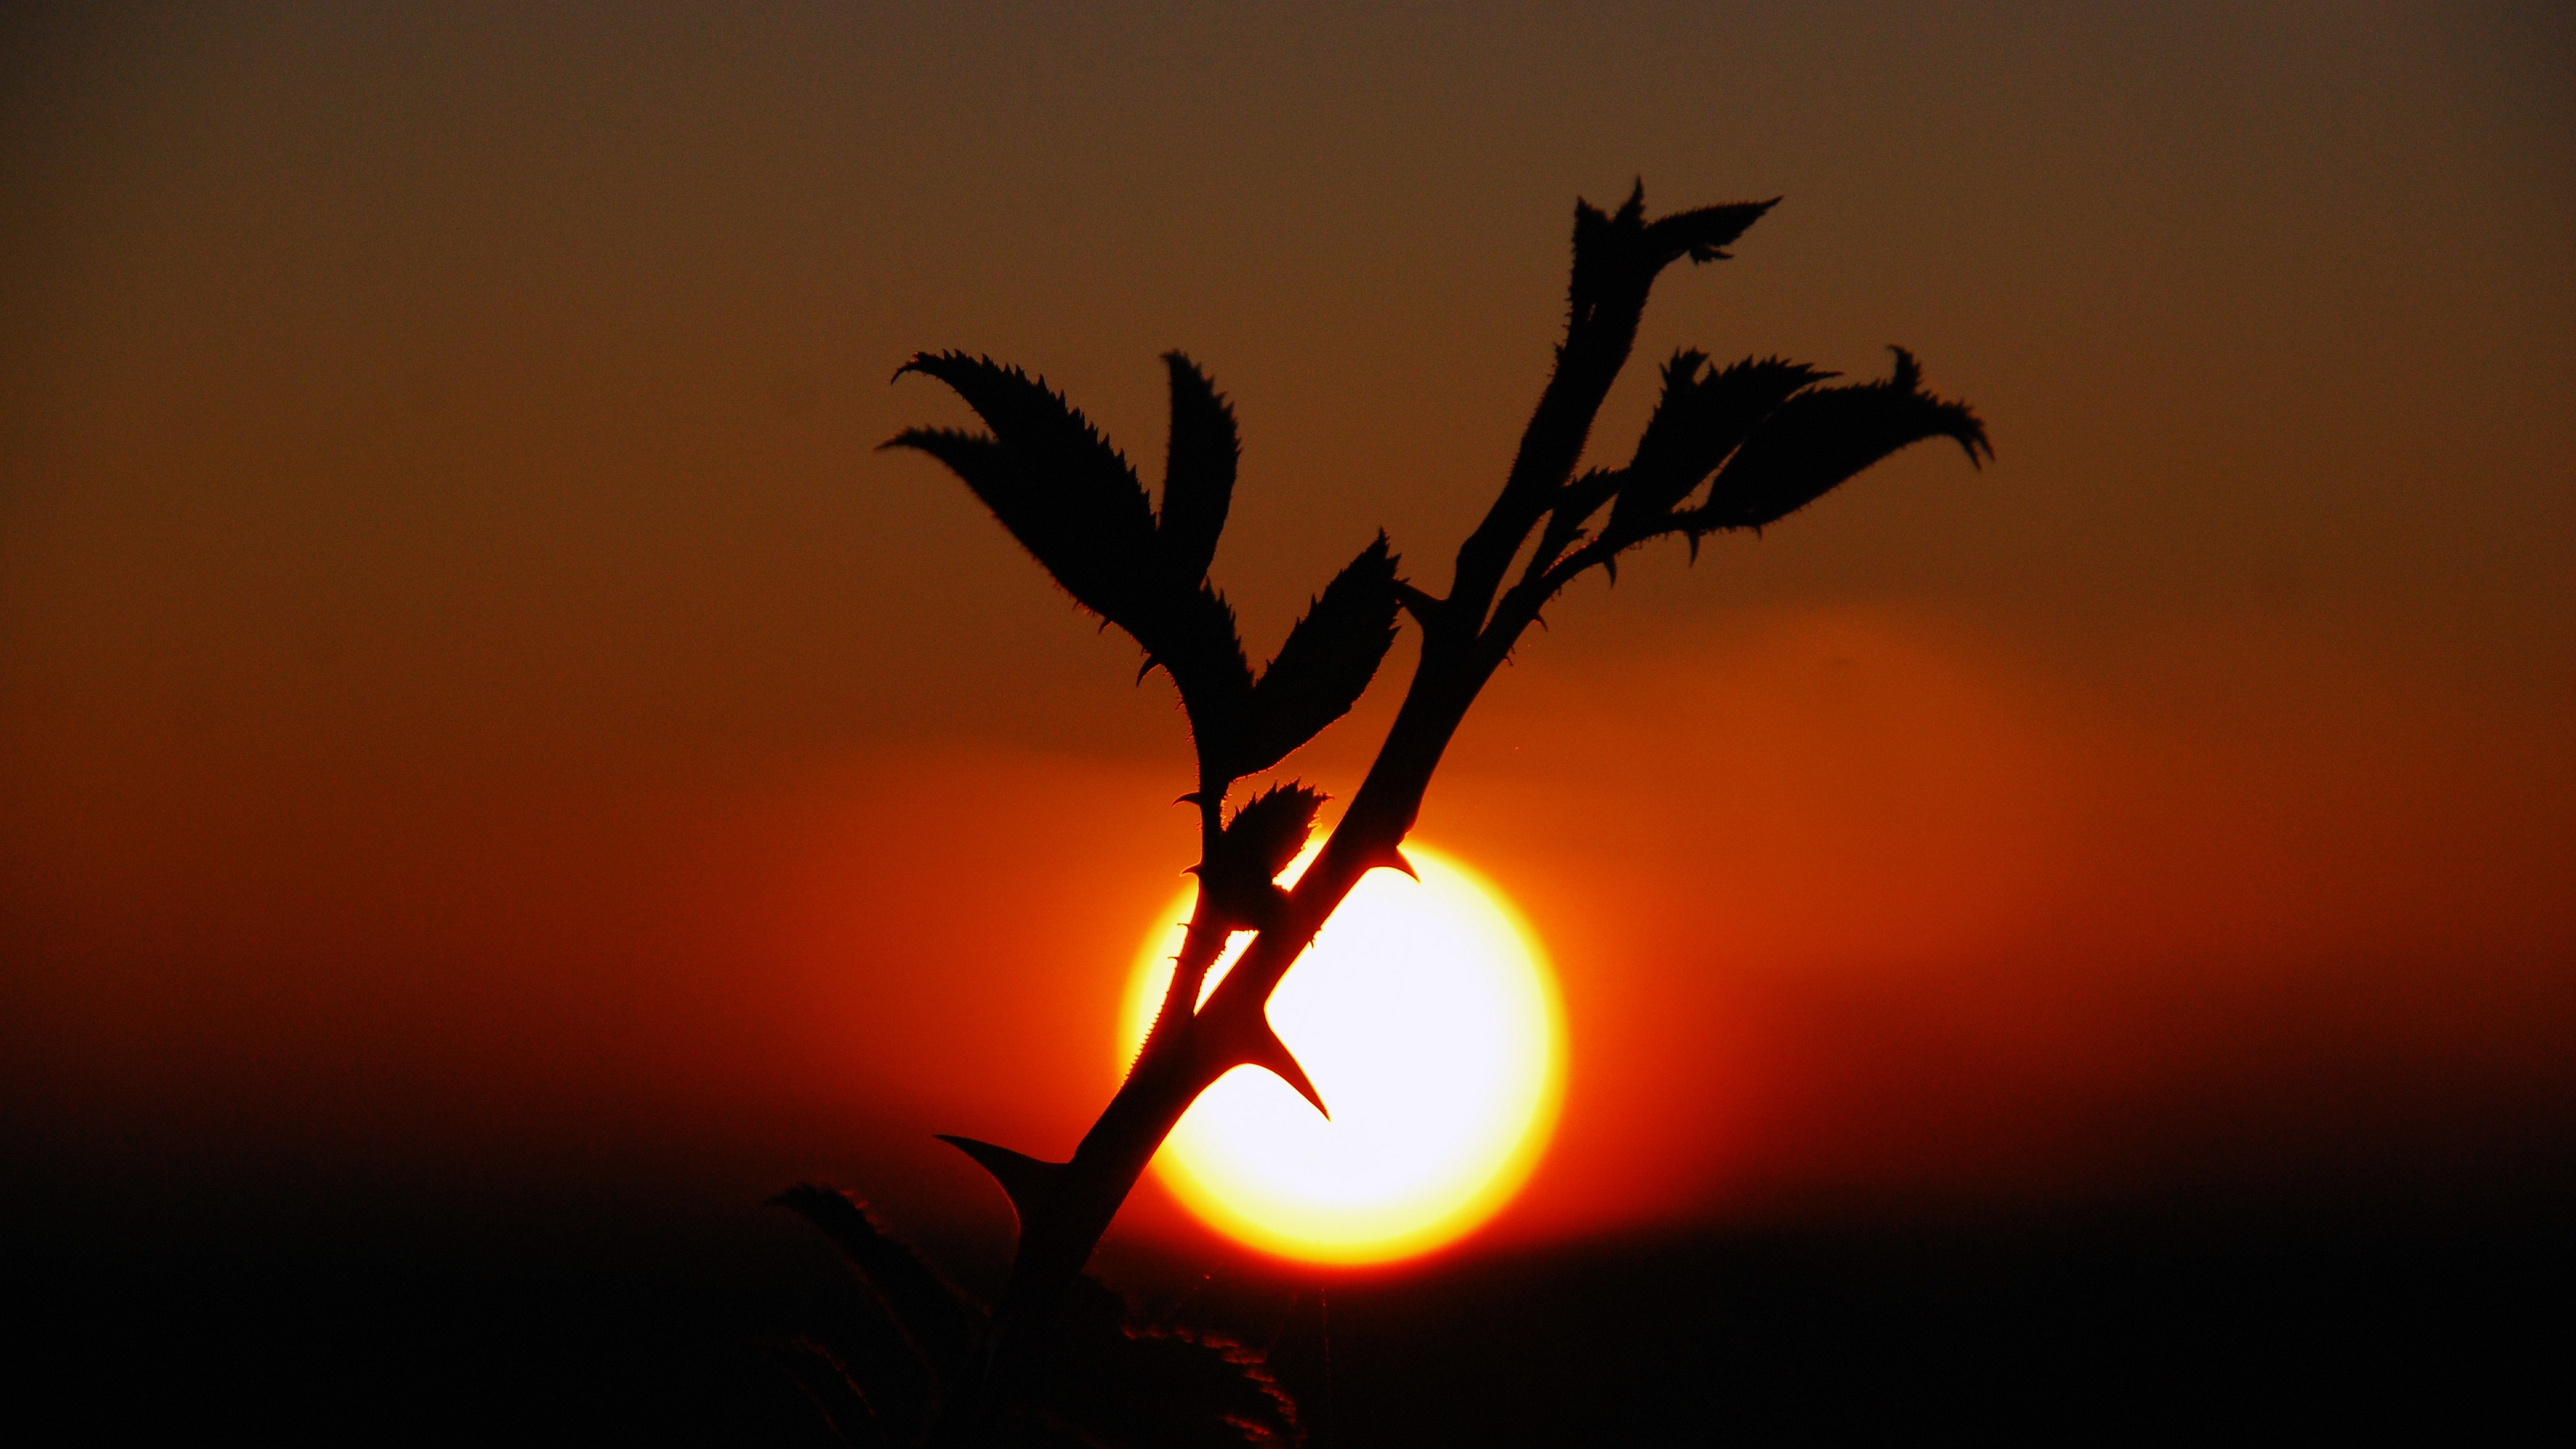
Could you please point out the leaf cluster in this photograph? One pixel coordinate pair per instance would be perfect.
(1742, 447)
(906, 1374)
(1076, 504)
(1734, 447)
(1254, 847)
(1738, 446)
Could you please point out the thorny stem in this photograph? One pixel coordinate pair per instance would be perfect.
(1186, 1051)
(1465, 637)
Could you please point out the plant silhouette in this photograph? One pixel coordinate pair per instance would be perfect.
(1725, 448)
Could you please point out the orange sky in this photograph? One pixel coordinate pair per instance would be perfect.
(469, 693)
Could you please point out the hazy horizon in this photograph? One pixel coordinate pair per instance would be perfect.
(474, 702)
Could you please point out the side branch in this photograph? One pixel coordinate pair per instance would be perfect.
(1616, 260)
(1727, 448)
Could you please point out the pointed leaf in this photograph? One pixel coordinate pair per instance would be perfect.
(1701, 233)
(1608, 252)
(1266, 834)
(1198, 475)
(1823, 436)
(837, 1393)
(1113, 1385)
(1193, 638)
(1068, 496)
(1617, 256)
(1673, 418)
(942, 1325)
(1074, 503)
(1189, 1393)
(1702, 416)
(1326, 663)
(1236, 878)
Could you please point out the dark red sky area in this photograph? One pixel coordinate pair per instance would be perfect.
(473, 707)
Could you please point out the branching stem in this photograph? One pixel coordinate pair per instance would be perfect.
(1466, 635)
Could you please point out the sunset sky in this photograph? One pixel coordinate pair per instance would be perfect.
(476, 712)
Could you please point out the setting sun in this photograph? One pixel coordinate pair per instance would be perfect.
(1427, 1017)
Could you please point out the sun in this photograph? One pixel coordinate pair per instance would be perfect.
(1427, 1017)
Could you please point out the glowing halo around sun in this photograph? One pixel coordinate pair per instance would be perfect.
(1428, 1019)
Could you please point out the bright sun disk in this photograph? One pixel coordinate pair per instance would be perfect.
(1428, 1019)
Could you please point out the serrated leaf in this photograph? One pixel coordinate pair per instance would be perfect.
(1702, 233)
(1236, 878)
(942, 1325)
(1618, 255)
(839, 1392)
(1050, 478)
(1092, 1377)
(1193, 638)
(1155, 1389)
(1608, 259)
(1325, 664)
(1198, 475)
(1820, 437)
(1701, 417)
(1073, 502)
(1266, 834)
(1575, 506)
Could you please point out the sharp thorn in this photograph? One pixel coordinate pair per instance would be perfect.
(1402, 864)
(1025, 1180)
(1271, 1054)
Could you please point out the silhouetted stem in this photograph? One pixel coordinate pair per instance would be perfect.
(1189, 1049)
(1467, 634)
(1596, 348)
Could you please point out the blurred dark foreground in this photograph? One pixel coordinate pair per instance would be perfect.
(158, 1320)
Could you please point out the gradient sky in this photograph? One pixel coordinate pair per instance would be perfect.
(472, 700)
